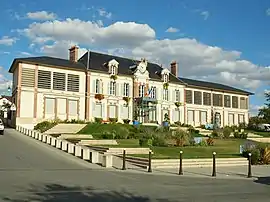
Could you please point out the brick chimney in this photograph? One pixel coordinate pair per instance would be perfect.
(174, 68)
(73, 53)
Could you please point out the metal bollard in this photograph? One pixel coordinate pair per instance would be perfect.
(181, 164)
(124, 160)
(249, 166)
(150, 162)
(214, 173)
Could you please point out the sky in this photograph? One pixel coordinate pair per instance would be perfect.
(219, 41)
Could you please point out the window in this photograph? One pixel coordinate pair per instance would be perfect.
(44, 79)
(241, 118)
(28, 77)
(97, 86)
(231, 119)
(49, 105)
(166, 78)
(189, 96)
(227, 101)
(113, 70)
(197, 97)
(207, 99)
(153, 92)
(98, 110)
(217, 100)
(112, 88)
(112, 111)
(73, 83)
(165, 94)
(234, 102)
(73, 107)
(243, 103)
(126, 89)
(59, 81)
(141, 91)
(177, 95)
(203, 117)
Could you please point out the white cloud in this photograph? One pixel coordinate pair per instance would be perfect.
(41, 15)
(197, 60)
(267, 12)
(8, 41)
(254, 109)
(172, 30)
(205, 14)
(102, 12)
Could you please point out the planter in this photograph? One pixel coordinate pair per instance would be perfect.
(165, 123)
(135, 122)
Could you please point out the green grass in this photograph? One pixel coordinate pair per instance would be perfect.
(264, 134)
(225, 148)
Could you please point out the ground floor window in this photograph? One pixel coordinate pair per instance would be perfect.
(203, 117)
(241, 118)
(124, 112)
(49, 107)
(231, 120)
(98, 110)
(112, 111)
(152, 115)
(176, 115)
(73, 107)
(190, 117)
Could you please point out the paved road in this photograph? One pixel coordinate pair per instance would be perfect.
(32, 171)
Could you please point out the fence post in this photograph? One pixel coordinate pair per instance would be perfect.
(214, 173)
(124, 160)
(249, 165)
(150, 162)
(181, 163)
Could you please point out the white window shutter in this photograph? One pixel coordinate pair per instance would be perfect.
(173, 95)
(93, 86)
(122, 90)
(101, 87)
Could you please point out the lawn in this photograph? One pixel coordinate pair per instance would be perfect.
(223, 147)
(264, 134)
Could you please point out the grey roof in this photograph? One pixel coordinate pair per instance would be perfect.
(97, 62)
(211, 85)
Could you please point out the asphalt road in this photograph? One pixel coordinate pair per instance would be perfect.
(33, 171)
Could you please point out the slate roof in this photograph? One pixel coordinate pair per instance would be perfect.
(97, 62)
(211, 85)
(50, 61)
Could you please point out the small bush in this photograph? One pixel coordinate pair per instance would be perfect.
(203, 143)
(45, 125)
(240, 135)
(178, 123)
(227, 132)
(159, 140)
(113, 120)
(126, 121)
(108, 135)
(98, 120)
(214, 134)
(210, 141)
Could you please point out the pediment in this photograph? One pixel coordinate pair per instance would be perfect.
(113, 62)
(165, 71)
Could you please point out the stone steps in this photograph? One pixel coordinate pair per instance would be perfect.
(65, 129)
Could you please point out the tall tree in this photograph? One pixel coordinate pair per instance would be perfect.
(265, 111)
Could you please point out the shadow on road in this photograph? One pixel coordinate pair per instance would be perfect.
(263, 180)
(60, 193)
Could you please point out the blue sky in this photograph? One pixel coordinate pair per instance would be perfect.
(220, 41)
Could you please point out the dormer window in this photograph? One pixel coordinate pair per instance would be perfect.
(166, 78)
(113, 67)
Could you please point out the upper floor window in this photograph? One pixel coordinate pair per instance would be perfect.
(113, 69)
(73, 83)
(28, 77)
(235, 102)
(189, 96)
(141, 91)
(126, 89)
(112, 88)
(177, 95)
(153, 92)
(165, 94)
(206, 98)
(44, 79)
(243, 103)
(197, 97)
(166, 78)
(227, 101)
(217, 100)
(98, 86)
(59, 81)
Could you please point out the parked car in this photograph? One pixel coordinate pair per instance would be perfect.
(2, 127)
(264, 127)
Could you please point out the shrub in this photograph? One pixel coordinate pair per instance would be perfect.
(236, 135)
(265, 155)
(240, 135)
(159, 140)
(214, 134)
(203, 143)
(98, 120)
(126, 121)
(178, 123)
(227, 132)
(108, 135)
(113, 120)
(181, 137)
(210, 141)
(45, 125)
(260, 154)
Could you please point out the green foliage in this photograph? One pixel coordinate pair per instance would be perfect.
(98, 120)
(178, 123)
(210, 141)
(240, 135)
(265, 111)
(260, 153)
(227, 131)
(203, 143)
(181, 137)
(126, 121)
(113, 120)
(45, 125)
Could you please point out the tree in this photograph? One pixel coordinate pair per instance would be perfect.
(265, 111)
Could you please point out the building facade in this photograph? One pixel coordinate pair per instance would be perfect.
(106, 86)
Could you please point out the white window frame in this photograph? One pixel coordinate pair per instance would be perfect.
(166, 94)
(126, 89)
(113, 70)
(97, 87)
(153, 93)
(166, 78)
(141, 90)
(177, 95)
(112, 88)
